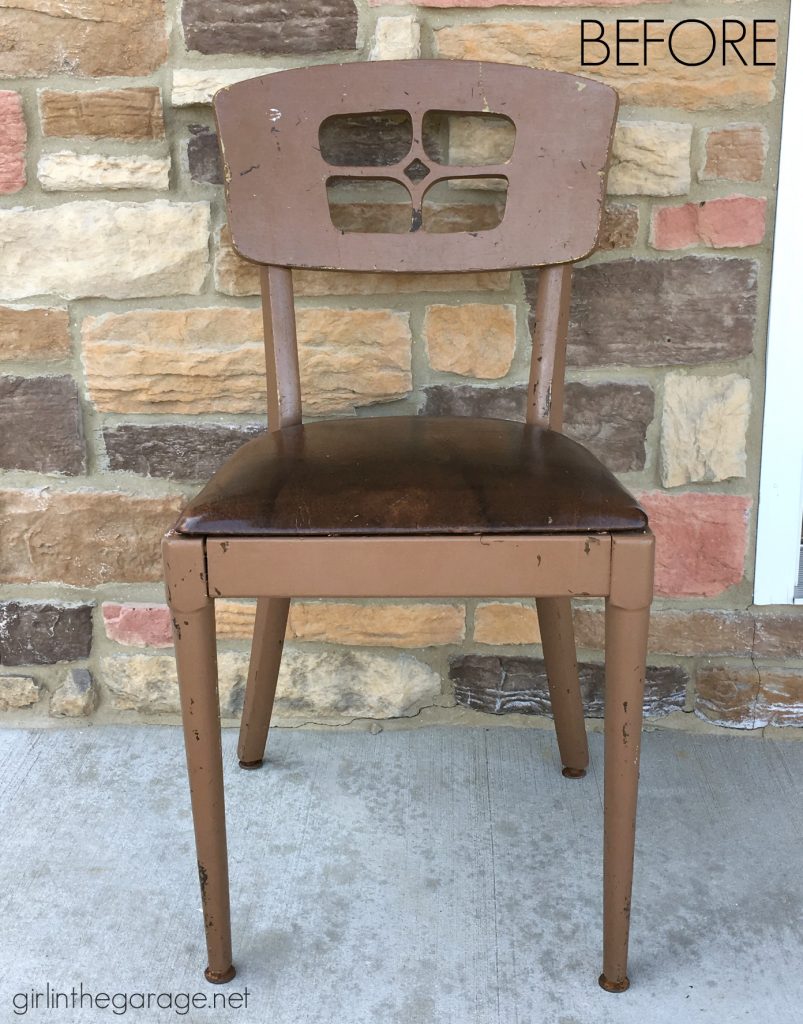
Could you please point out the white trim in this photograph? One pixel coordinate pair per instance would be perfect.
(780, 504)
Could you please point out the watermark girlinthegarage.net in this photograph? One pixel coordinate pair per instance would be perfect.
(692, 42)
(120, 1004)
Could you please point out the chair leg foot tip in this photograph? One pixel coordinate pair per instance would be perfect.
(573, 773)
(251, 765)
(219, 977)
(614, 986)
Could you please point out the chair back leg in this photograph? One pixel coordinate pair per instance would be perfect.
(263, 672)
(193, 614)
(560, 659)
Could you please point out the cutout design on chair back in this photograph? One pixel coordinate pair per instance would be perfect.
(283, 156)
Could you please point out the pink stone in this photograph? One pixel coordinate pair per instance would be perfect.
(700, 541)
(138, 625)
(13, 136)
(734, 222)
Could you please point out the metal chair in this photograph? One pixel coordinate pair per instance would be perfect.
(402, 505)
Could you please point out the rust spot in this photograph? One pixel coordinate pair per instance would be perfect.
(217, 591)
(177, 627)
(625, 735)
(253, 167)
(224, 546)
(587, 548)
(538, 560)
(203, 878)
(624, 706)
(197, 735)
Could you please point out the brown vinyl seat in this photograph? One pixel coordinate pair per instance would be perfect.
(411, 475)
(413, 506)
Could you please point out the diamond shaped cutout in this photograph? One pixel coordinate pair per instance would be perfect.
(417, 170)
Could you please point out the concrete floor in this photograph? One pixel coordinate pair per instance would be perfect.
(432, 875)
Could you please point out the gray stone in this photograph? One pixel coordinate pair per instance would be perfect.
(696, 309)
(175, 451)
(313, 685)
(147, 683)
(41, 426)
(38, 633)
(76, 697)
(203, 155)
(610, 419)
(504, 685)
(353, 684)
(269, 26)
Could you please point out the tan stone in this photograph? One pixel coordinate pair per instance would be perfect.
(76, 697)
(147, 683)
(34, 333)
(315, 685)
(87, 38)
(704, 428)
(650, 158)
(82, 538)
(197, 86)
(236, 276)
(377, 625)
(555, 45)
(130, 114)
(351, 358)
(367, 625)
(117, 250)
(473, 339)
(67, 171)
(235, 619)
(475, 141)
(736, 152)
(18, 692)
(501, 622)
(684, 633)
(397, 38)
(212, 360)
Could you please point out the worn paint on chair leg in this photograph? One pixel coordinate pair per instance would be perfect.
(626, 630)
(263, 672)
(560, 658)
(196, 661)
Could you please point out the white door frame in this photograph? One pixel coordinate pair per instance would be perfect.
(780, 502)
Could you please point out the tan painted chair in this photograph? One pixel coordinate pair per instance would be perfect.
(414, 506)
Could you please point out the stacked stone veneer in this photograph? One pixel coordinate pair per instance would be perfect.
(130, 342)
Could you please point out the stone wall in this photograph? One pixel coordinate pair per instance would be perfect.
(130, 342)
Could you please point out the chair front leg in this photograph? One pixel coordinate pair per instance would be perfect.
(193, 614)
(627, 619)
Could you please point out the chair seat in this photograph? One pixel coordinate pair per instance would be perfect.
(411, 475)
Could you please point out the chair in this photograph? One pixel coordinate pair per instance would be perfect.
(413, 506)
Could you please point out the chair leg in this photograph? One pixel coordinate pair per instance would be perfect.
(560, 658)
(263, 672)
(627, 618)
(193, 617)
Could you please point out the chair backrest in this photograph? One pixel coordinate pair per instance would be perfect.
(276, 175)
(277, 178)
